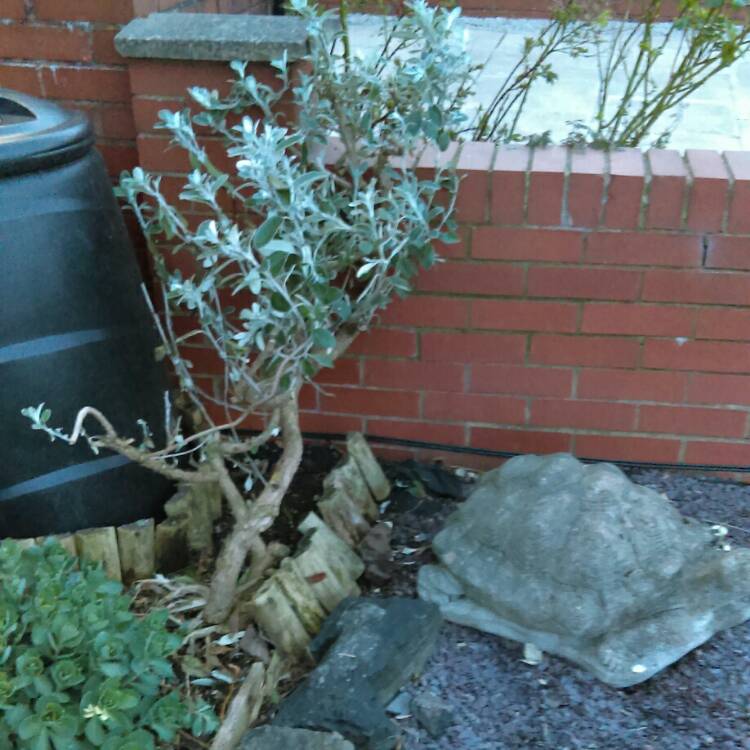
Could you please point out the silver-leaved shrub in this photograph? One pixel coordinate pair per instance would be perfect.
(334, 186)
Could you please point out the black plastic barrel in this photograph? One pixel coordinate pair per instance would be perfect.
(74, 329)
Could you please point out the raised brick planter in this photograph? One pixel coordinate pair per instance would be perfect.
(596, 303)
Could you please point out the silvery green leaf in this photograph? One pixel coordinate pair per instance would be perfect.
(265, 232)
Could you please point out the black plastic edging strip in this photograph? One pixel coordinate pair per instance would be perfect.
(403, 442)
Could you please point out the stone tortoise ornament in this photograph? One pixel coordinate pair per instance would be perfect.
(581, 562)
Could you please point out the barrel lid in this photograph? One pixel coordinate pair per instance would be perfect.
(36, 134)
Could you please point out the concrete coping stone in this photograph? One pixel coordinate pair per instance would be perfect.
(213, 36)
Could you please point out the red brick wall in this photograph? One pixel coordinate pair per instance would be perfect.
(63, 50)
(595, 303)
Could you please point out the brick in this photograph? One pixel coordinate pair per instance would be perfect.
(739, 216)
(627, 448)
(509, 184)
(702, 356)
(24, 78)
(13, 10)
(728, 252)
(174, 78)
(584, 283)
(625, 189)
(726, 323)
(385, 342)
(724, 390)
(640, 249)
(471, 407)
(449, 434)
(94, 84)
(459, 277)
(547, 179)
(637, 319)
(709, 192)
(144, 7)
(473, 347)
(329, 424)
(106, 11)
(717, 453)
(413, 375)
(251, 422)
(523, 315)
(519, 441)
(308, 398)
(700, 287)
(592, 351)
(521, 381)
(493, 243)
(635, 385)
(344, 372)
(688, 420)
(428, 312)
(204, 359)
(118, 157)
(103, 46)
(370, 401)
(586, 187)
(116, 122)
(26, 42)
(668, 188)
(454, 249)
(392, 453)
(473, 168)
(573, 414)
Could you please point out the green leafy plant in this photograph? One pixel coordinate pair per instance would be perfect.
(645, 68)
(78, 670)
(567, 32)
(334, 221)
(637, 86)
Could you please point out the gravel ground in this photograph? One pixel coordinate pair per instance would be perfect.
(500, 703)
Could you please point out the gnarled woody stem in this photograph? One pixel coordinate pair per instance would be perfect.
(259, 517)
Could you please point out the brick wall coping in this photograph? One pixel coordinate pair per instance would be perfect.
(209, 36)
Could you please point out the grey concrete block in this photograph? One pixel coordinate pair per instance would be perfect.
(201, 36)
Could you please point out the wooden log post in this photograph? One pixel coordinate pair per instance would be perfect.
(275, 615)
(136, 543)
(360, 451)
(335, 548)
(67, 542)
(348, 481)
(329, 579)
(343, 517)
(171, 545)
(100, 545)
(194, 510)
(301, 596)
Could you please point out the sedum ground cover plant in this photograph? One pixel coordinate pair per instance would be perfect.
(78, 670)
(326, 236)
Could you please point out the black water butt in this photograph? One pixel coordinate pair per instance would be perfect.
(74, 329)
